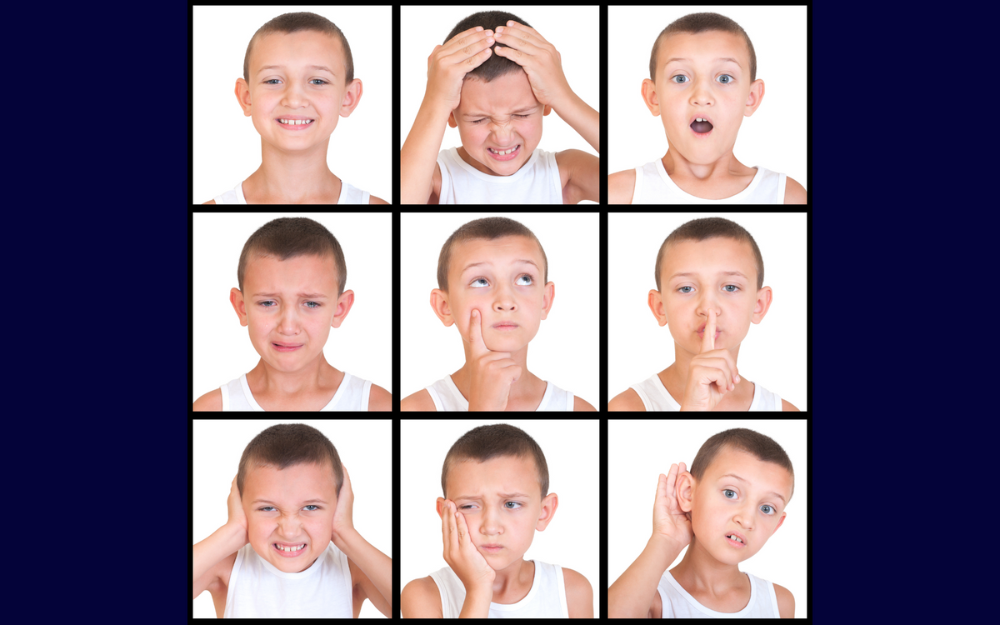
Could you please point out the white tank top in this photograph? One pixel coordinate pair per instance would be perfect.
(351, 395)
(447, 398)
(546, 599)
(258, 589)
(537, 182)
(654, 186)
(348, 195)
(655, 397)
(677, 603)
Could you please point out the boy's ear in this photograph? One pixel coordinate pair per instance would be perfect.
(546, 110)
(451, 120)
(243, 95)
(656, 305)
(649, 96)
(685, 491)
(344, 303)
(756, 95)
(550, 296)
(440, 505)
(780, 521)
(439, 302)
(236, 299)
(351, 98)
(764, 296)
(549, 504)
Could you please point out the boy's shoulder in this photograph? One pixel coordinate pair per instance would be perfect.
(582, 405)
(621, 187)
(421, 599)
(786, 406)
(579, 175)
(209, 402)
(786, 602)
(626, 401)
(379, 399)
(418, 402)
(795, 193)
(579, 594)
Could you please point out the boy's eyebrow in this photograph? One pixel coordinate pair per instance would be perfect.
(319, 67)
(721, 58)
(687, 274)
(306, 502)
(486, 262)
(778, 495)
(307, 295)
(504, 495)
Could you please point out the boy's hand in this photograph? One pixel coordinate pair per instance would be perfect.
(343, 516)
(540, 60)
(448, 64)
(237, 517)
(461, 555)
(713, 373)
(492, 372)
(669, 520)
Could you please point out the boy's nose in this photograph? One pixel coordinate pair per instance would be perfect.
(702, 95)
(293, 96)
(289, 323)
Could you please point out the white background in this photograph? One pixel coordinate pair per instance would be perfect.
(577, 40)
(362, 345)
(227, 146)
(773, 353)
(773, 137)
(565, 351)
(571, 451)
(638, 451)
(365, 448)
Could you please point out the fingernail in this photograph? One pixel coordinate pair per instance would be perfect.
(499, 29)
(479, 28)
(490, 39)
(510, 22)
(499, 34)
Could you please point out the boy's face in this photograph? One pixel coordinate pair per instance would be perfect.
(502, 503)
(289, 307)
(297, 76)
(737, 495)
(708, 76)
(717, 273)
(502, 279)
(498, 116)
(291, 508)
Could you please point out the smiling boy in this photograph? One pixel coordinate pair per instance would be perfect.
(289, 548)
(702, 83)
(298, 81)
(710, 287)
(493, 286)
(723, 511)
(494, 79)
(291, 278)
(495, 483)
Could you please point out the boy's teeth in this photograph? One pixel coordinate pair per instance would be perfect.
(503, 152)
(700, 119)
(295, 122)
(290, 548)
(736, 538)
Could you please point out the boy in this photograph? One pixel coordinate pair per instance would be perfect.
(289, 548)
(291, 278)
(702, 82)
(497, 97)
(495, 483)
(298, 80)
(493, 285)
(724, 511)
(710, 276)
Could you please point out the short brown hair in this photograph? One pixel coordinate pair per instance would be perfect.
(294, 22)
(707, 228)
(764, 448)
(489, 228)
(288, 237)
(698, 23)
(286, 445)
(495, 66)
(495, 441)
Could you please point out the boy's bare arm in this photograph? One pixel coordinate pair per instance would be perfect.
(446, 69)
(224, 542)
(375, 567)
(631, 595)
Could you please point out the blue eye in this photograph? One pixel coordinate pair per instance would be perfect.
(512, 505)
(266, 508)
(729, 494)
(318, 80)
(313, 304)
(726, 82)
(766, 509)
(731, 288)
(311, 507)
(524, 277)
(272, 81)
(689, 289)
(683, 79)
(483, 280)
(267, 304)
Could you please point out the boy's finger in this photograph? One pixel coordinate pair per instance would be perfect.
(708, 338)
(476, 334)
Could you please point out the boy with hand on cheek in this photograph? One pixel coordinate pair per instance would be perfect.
(724, 510)
(289, 548)
(497, 97)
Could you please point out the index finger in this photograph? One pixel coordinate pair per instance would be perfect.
(476, 334)
(708, 339)
(512, 25)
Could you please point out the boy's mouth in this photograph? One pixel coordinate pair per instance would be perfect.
(701, 126)
(505, 154)
(736, 540)
(295, 123)
(491, 548)
(289, 550)
(286, 347)
(505, 325)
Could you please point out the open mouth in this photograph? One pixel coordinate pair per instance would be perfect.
(735, 539)
(701, 126)
(505, 155)
(294, 124)
(289, 551)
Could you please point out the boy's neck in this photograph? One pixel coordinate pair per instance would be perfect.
(265, 381)
(724, 177)
(525, 394)
(513, 583)
(292, 178)
(700, 571)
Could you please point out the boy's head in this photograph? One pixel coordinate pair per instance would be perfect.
(298, 80)
(702, 67)
(289, 479)
(497, 266)
(498, 112)
(498, 478)
(737, 490)
(709, 263)
(291, 278)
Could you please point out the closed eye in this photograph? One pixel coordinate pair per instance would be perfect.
(479, 121)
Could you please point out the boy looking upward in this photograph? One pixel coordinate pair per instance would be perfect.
(494, 79)
(710, 287)
(702, 83)
(495, 484)
(298, 81)
(724, 510)
(290, 548)
(291, 277)
(493, 286)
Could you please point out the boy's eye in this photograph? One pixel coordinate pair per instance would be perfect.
(524, 277)
(521, 116)
(466, 507)
(266, 508)
(272, 81)
(512, 505)
(727, 77)
(311, 507)
(318, 81)
(313, 304)
(478, 121)
(477, 281)
(766, 509)
(679, 79)
(267, 304)
(731, 288)
(686, 289)
(729, 494)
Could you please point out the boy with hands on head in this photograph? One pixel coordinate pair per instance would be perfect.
(289, 547)
(494, 79)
